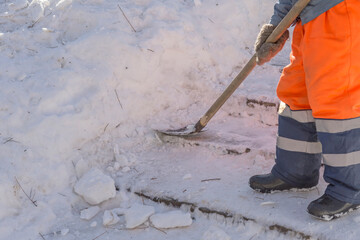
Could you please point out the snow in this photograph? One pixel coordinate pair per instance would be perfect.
(137, 215)
(65, 231)
(17, 5)
(215, 233)
(171, 219)
(95, 187)
(82, 93)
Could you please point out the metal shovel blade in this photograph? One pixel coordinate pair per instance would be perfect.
(185, 131)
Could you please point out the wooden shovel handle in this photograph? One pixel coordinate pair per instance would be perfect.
(274, 36)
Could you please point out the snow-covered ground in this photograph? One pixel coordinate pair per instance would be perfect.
(83, 85)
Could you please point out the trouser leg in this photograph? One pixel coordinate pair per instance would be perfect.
(298, 152)
(341, 153)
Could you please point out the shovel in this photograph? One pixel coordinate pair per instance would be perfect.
(275, 35)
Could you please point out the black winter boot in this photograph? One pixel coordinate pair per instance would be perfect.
(327, 208)
(267, 183)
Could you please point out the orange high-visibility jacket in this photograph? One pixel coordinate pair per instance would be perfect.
(324, 73)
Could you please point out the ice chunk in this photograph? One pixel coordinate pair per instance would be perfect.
(171, 219)
(89, 213)
(138, 214)
(81, 167)
(95, 187)
(110, 218)
(267, 203)
(187, 176)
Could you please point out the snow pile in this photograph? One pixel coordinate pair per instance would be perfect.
(74, 71)
(172, 219)
(95, 187)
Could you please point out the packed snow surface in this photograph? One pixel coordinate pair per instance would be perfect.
(215, 233)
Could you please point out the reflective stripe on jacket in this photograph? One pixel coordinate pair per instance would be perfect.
(313, 10)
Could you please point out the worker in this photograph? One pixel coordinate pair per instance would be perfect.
(319, 114)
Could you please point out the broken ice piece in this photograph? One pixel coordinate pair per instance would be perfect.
(89, 213)
(93, 224)
(267, 203)
(47, 30)
(95, 187)
(171, 219)
(138, 214)
(118, 211)
(110, 218)
(187, 176)
(81, 167)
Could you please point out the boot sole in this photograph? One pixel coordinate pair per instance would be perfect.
(328, 218)
(286, 190)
